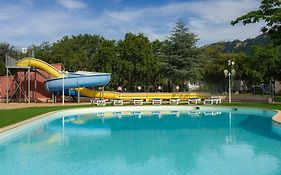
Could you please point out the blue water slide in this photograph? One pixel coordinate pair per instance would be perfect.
(77, 80)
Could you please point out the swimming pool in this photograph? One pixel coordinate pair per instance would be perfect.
(145, 140)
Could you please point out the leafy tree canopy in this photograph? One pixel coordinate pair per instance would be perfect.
(270, 12)
(142, 64)
(181, 55)
(6, 48)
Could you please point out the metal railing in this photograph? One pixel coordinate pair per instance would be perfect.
(10, 61)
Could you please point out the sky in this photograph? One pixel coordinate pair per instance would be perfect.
(27, 22)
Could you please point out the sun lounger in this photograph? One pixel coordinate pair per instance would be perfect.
(174, 101)
(208, 101)
(98, 102)
(212, 101)
(118, 102)
(137, 102)
(194, 101)
(156, 101)
(216, 100)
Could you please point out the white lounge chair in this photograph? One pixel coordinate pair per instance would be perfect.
(156, 101)
(174, 101)
(98, 102)
(194, 101)
(216, 100)
(137, 102)
(118, 102)
(212, 100)
(208, 101)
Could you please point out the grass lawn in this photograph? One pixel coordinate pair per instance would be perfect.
(11, 116)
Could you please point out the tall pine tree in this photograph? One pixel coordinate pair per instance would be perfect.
(181, 57)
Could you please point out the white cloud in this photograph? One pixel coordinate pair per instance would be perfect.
(221, 11)
(209, 19)
(125, 16)
(72, 4)
(9, 13)
(24, 25)
(217, 11)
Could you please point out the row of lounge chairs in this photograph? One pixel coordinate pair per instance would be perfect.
(158, 101)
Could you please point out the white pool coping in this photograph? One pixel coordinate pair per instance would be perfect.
(9, 132)
(277, 117)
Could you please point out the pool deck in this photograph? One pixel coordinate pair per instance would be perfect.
(277, 117)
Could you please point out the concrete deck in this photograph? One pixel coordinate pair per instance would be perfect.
(277, 117)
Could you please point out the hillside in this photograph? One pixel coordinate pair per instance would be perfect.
(237, 46)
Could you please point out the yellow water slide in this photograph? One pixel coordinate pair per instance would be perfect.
(144, 96)
(40, 64)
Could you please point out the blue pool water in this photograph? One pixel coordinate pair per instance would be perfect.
(151, 142)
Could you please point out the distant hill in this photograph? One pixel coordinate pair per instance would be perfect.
(237, 46)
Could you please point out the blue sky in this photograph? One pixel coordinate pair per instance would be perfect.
(27, 22)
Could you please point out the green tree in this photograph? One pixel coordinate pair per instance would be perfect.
(105, 60)
(6, 48)
(81, 52)
(158, 48)
(181, 55)
(142, 66)
(76, 52)
(43, 51)
(216, 63)
(263, 64)
(270, 12)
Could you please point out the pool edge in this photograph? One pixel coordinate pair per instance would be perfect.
(30, 120)
(277, 117)
(15, 125)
